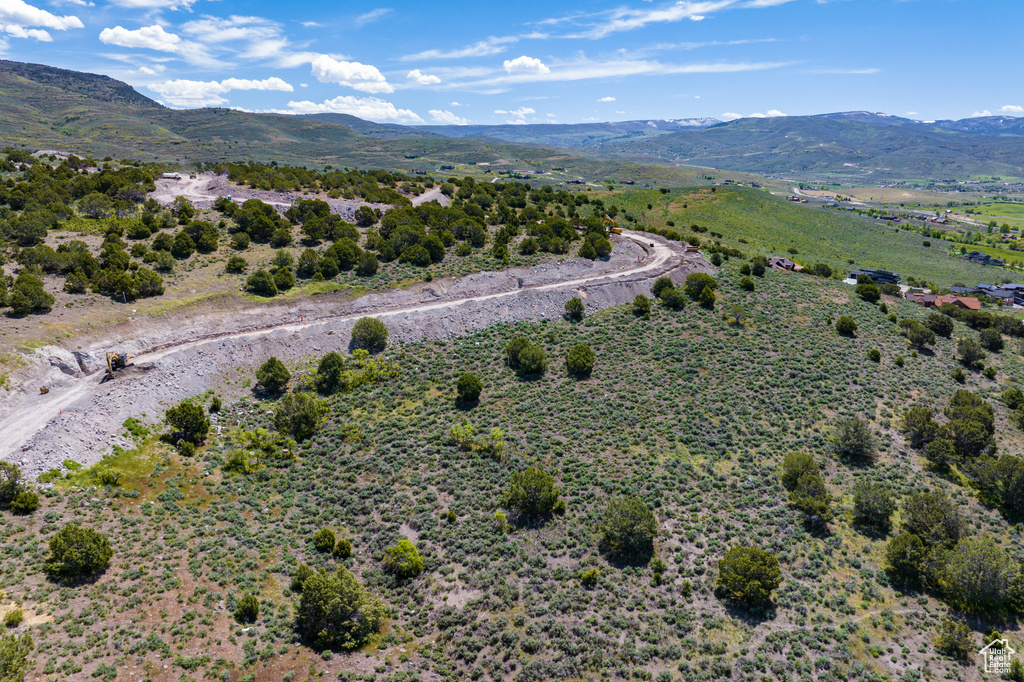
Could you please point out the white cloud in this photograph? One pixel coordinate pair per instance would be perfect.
(772, 113)
(222, 30)
(606, 99)
(373, 16)
(155, 4)
(311, 24)
(456, 104)
(447, 118)
(370, 108)
(17, 13)
(601, 24)
(583, 69)
(1012, 109)
(483, 48)
(150, 37)
(36, 33)
(518, 115)
(422, 78)
(525, 65)
(188, 93)
(272, 83)
(984, 112)
(355, 75)
(911, 113)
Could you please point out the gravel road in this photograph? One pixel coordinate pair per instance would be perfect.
(81, 418)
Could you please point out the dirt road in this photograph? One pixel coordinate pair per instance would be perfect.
(81, 419)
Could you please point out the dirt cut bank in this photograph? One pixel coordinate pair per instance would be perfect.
(81, 419)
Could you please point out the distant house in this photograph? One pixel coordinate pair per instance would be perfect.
(784, 264)
(933, 301)
(1008, 235)
(983, 258)
(938, 221)
(894, 218)
(877, 276)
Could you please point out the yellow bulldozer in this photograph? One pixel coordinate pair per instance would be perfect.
(613, 227)
(115, 361)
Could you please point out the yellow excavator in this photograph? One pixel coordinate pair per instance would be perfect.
(115, 361)
(612, 226)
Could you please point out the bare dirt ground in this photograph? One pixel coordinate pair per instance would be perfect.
(81, 419)
(206, 188)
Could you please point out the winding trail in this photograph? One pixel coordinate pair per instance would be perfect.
(82, 417)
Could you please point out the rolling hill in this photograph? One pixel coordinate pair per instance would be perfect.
(49, 108)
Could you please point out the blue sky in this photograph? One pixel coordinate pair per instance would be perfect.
(527, 61)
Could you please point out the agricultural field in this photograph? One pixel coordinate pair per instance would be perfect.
(691, 411)
(749, 219)
(1001, 211)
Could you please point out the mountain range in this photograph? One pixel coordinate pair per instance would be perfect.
(51, 108)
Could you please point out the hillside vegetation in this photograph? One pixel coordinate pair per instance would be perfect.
(747, 218)
(408, 496)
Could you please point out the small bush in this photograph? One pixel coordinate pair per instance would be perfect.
(875, 355)
(748, 575)
(403, 560)
(673, 298)
(661, 285)
(873, 504)
(371, 334)
(261, 283)
(641, 305)
(13, 619)
(343, 549)
(795, 465)
(628, 528)
(955, 639)
(588, 577)
(272, 375)
(852, 438)
(580, 360)
(469, 387)
(846, 326)
(25, 502)
(531, 494)
(299, 414)
(574, 309)
(337, 612)
(77, 552)
(697, 282)
(237, 264)
(747, 284)
(248, 609)
(532, 360)
(189, 421)
(324, 540)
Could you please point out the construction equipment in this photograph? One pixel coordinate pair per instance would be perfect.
(690, 248)
(43, 390)
(612, 226)
(115, 361)
(191, 176)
